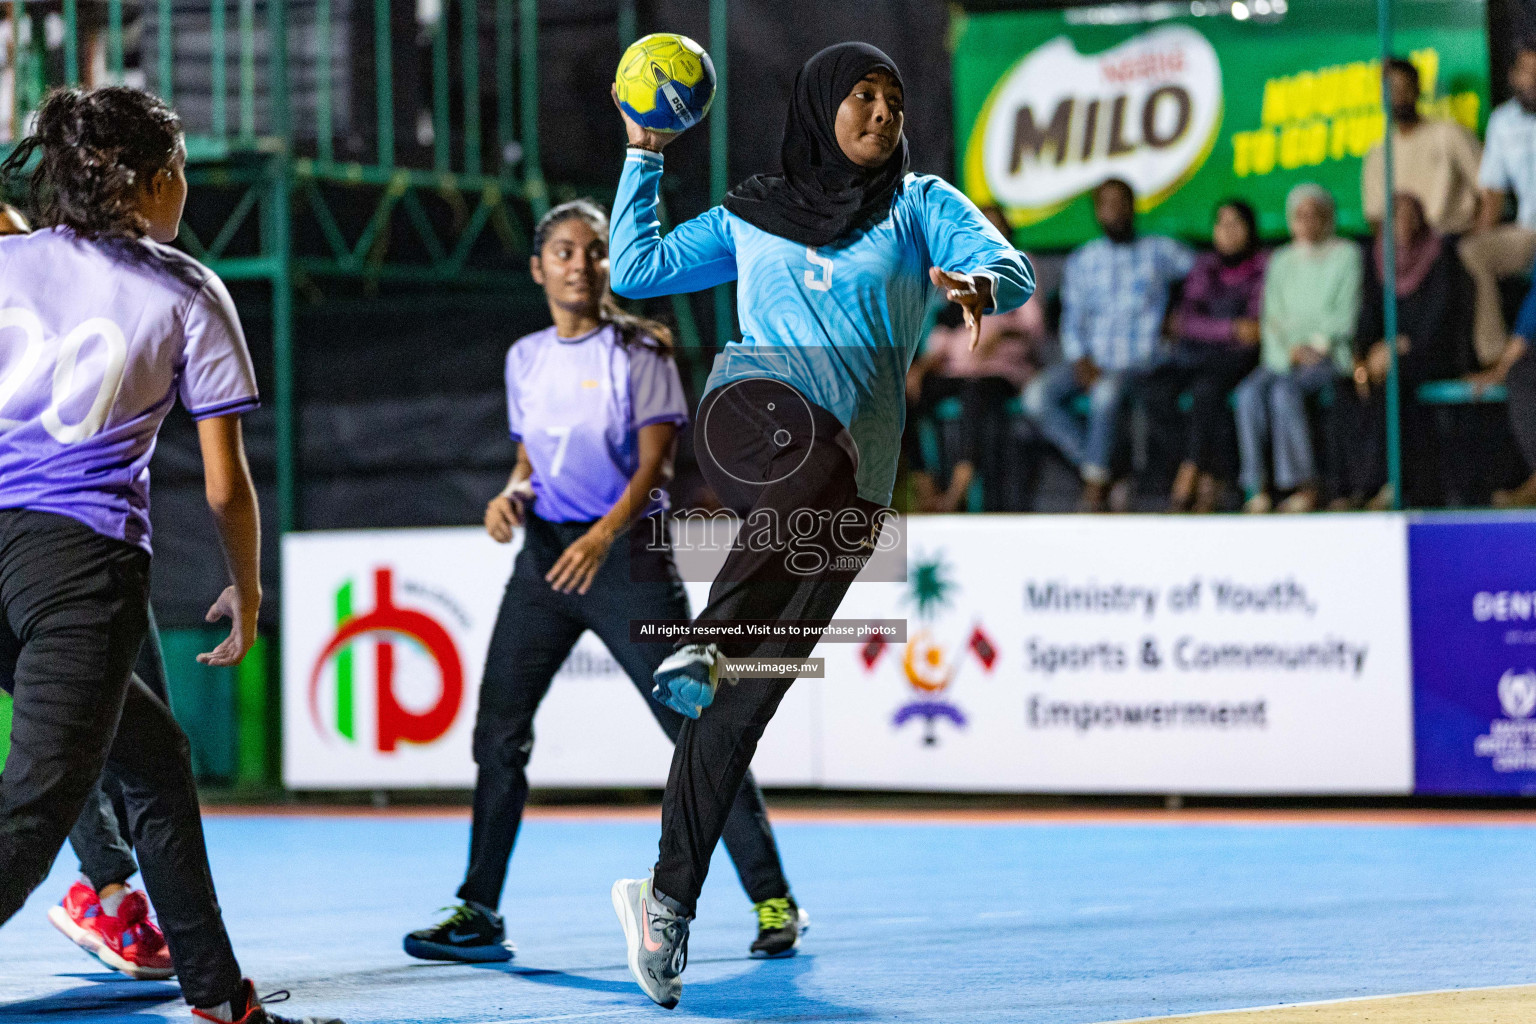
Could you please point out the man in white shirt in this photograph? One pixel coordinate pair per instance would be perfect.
(1496, 250)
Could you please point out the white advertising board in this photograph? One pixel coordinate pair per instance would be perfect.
(391, 705)
(1132, 654)
(1043, 654)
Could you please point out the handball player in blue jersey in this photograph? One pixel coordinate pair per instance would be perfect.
(835, 260)
(594, 403)
(103, 327)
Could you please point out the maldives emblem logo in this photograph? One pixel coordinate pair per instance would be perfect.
(397, 635)
(930, 661)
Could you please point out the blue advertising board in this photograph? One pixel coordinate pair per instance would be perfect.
(1472, 598)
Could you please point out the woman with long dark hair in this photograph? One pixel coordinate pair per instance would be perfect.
(594, 403)
(101, 913)
(106, 327)
(800, 427)
(1217, 326)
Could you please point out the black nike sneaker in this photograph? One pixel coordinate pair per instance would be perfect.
(469, 933)
(780, 922)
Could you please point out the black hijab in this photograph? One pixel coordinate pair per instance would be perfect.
(822, 195)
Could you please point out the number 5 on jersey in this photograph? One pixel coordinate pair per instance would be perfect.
(819, 279)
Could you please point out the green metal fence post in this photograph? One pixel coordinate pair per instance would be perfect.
(323, 68)
(682, 308)
(442, 155)
(115, 39)
(248, 69)
(629, 23)
(1389, 265)
(533, 169)
(216, 26)
(37, 59)
(164, 45)
(469, 61)
(282, 280)
(384, 82)
(252, 680)
(71, 42)
(719, 137)
(506, 122)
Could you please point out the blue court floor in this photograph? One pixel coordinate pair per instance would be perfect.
(1015, 921)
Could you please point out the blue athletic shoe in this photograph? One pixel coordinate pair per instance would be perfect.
(686, 682)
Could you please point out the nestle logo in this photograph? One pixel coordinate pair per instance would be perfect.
(1150, 64)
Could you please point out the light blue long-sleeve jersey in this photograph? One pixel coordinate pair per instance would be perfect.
(840, 323)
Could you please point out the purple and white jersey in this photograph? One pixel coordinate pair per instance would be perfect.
(96, 342)
(577, 406)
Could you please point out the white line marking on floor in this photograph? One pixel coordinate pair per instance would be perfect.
(566, 1016)
(1319, 1002)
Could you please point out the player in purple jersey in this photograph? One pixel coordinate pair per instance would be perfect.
(594, 404)
(102, 909)
(102, 327)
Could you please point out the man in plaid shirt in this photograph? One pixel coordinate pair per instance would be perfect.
(1114, 294)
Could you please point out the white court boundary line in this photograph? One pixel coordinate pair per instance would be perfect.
(565, 1016)
(1320, 1002)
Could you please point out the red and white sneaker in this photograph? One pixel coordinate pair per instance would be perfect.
(128, 942)
(247, 1008)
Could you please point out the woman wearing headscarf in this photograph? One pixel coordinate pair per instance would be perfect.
(1217, 326)
(1311, 304)
(800, 425)
(1425, 278)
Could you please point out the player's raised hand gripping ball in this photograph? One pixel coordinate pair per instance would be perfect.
(665, 83)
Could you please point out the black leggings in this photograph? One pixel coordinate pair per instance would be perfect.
(766, 451)
(105, 854)
(983, 419)
(1208, 373)
(534, 633)
(74, 607)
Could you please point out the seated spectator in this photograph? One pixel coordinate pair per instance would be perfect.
(1425, 271)
(1311, 304)
(1434, 159)
(1516, 368)
(984, 379)
(1217, 327)
(1114, 294)
(1497, 250)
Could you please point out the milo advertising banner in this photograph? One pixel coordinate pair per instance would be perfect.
(1190, 108)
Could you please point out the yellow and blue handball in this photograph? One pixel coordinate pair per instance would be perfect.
(666, 82)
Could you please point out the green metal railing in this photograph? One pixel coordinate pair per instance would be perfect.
(281, 169)
(278, 166)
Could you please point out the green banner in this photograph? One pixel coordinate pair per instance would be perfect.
(1191, 108)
